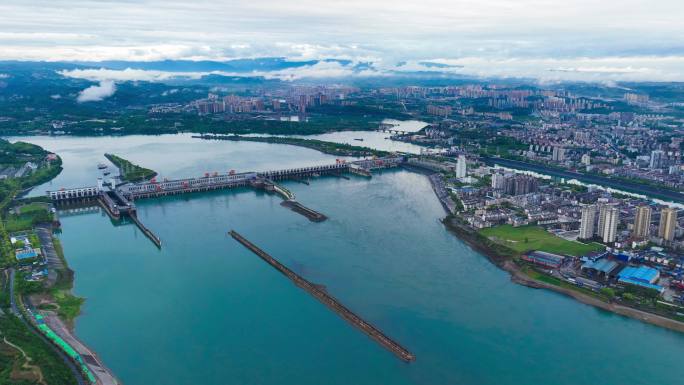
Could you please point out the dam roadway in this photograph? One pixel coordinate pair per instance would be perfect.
(329, 301)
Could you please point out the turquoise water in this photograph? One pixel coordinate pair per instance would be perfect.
(204, 310)
(172, 156)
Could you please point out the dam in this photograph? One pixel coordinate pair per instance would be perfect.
(119, 200)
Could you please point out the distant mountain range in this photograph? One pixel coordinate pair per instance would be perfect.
(238, 65)
(266, 64)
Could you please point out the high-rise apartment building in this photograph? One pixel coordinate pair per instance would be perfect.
(657, 158)
(609, 217)
(558, 154)
(461, 167)
(642, 222)
(587, 222)
(498, 181)
(586, 159)
(668, 222)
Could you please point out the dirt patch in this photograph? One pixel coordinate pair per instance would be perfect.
(22, 369)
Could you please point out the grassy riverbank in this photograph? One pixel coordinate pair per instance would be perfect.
(130, 172)
(28, 215)
(507, 258)
(68, 305)
(25, 358)
(525, 238)
(331, 148)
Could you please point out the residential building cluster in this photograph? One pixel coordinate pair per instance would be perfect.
(642, 243)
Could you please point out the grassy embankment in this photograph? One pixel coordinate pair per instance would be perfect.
(526, 238)
(68, 305)
(28, 216)
(504, 245)
(506, 254)
(130, 172)
(58, 297)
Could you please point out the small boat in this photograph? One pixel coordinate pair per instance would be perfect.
(106, 172)
(359, 139)
(101, 166)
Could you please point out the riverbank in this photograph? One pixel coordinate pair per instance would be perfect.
(60, 308)
(53, 296)
(503, 258)
(103, 374)
(438, 187)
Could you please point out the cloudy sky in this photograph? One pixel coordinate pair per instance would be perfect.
(548, 39)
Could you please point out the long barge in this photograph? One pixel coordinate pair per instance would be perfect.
(328, 300)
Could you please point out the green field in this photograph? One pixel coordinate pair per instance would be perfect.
(28, 216)
(527, 238)
(130, 172)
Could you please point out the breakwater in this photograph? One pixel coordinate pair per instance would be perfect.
(311, 214)
(148, 233)
(328, 300)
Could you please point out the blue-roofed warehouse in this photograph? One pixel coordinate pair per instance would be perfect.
(642, 276)
(602, 268)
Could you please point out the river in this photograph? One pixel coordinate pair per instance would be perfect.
(617, 185)
(204, 310)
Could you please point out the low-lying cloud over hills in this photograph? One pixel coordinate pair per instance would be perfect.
(602, 70)
(625, 40)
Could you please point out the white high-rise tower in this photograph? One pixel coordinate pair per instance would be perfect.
(461, 167)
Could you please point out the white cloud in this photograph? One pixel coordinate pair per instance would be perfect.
(95, 93)
(103, 74)
(361, 30)
(606, 70)
(318, 70)
(170, 92)
(548, 69)
(40, 36)
(315, 71)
